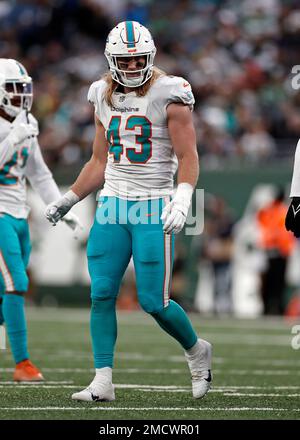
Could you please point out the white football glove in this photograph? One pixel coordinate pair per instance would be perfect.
(20, 131)
(58, 209)
(175, 212)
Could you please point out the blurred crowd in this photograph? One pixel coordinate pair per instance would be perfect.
(238, 56)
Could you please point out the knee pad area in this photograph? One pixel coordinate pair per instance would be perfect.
(150, 305)
(103, 288)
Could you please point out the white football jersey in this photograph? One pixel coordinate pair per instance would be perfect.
(141, 161)
(26, 161)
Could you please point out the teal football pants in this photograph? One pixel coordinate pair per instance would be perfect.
(123, 229)
(14, 256)
(15, 250)
(114, 238)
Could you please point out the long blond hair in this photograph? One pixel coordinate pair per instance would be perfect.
(140, 91)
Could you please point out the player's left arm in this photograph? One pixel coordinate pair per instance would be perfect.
(183, 138)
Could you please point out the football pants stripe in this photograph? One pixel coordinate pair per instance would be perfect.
(8, 280)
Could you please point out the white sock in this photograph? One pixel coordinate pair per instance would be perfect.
(194, 350)
(105, 372)
(2, 338)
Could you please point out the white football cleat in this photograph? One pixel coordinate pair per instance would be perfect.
(100, 390)
(200, 368)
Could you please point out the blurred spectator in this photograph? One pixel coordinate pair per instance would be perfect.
(217, 248)
(179, 283)
(256, 143)
(248, 258)
(237, 55)
(278, 245)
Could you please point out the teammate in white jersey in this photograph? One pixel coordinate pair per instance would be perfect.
(144, 129)
(20, 159)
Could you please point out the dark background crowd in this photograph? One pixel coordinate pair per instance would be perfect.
(236, 54)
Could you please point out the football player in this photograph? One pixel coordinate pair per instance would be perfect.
(20, 159)
(144, 128)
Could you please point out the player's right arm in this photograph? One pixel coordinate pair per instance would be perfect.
(92, 174)
(90, 178)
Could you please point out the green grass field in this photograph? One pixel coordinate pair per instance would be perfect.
(256, 371)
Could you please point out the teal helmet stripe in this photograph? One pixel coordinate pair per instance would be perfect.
(21, 68)
(130, 34)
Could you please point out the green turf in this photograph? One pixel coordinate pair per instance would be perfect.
(253, 362)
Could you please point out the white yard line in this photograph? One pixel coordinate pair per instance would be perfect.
(226, 390)
(260, 395)
(48, 382)
(155, 408)
(224, 393)
(251, 387)
(38, 385)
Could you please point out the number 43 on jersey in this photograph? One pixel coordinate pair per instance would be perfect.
(141, 152)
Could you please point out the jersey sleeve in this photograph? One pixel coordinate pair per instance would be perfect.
(171, 89)
(40, 177)
(96, 96)
(180, 91)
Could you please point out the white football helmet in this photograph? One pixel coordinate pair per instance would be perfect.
(15, 87)
(130, 39)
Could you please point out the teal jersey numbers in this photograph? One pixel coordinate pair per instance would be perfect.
(142, 142)
(143, 139)
(24, 154)
(113, 137)
(6, 178)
